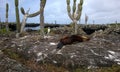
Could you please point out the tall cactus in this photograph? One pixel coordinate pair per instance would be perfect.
(41, 12)
(7, 8)
(27, 15)
(76, 12)
(42, 6)
(17, 15)
(0, 24)
(86, 19)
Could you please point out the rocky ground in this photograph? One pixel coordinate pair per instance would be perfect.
(31, 53)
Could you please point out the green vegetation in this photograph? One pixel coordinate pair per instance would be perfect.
(45, 30)
(4, 31)
(114, 25)
(11, 54)
(17, 15)
(114, 68)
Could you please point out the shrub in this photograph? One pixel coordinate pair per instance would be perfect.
(4, 31)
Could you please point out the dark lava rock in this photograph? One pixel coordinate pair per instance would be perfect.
(102, 50)
(10, 65)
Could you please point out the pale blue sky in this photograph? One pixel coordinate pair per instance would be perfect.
(101, 11)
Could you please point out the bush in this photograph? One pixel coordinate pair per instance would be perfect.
(4, 31)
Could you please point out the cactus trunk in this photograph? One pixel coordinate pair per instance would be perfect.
(0, 24)
(42, 23)
(42, 5)
(76, 27)
(86, 19)
(7, 28)
(7, 8)
(17, 15)
(23, 23)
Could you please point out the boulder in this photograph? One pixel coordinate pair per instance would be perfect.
(100, 51)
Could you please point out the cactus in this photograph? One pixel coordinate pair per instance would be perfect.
(7, 8)
(55, 22)
(17, 15)
(26, 15)
(76, 12)
(93, 22)
(22, 10)
(86, 19)
(42, 6)
(24, 19)
(0, 24)
(29, 15)
(41, 12)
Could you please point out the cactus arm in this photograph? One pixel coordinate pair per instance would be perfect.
(7, 8)
(68, 2)
(34, 14)
(79, 11)
(23, 23)
(29, 15)
(74, 8)
(69, 13)
(69, 9)
(16, 3)
(28, 11)
(26, 15)
(24, 20)
(43, 3)
(22, 10)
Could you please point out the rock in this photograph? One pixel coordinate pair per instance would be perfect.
(103, 50)
(112, 30)
(10, 65)
(98, 52)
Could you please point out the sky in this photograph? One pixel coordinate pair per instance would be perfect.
(99, 11)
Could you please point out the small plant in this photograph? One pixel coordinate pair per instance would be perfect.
(4, 31)
(114, 68)
(12, 54)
